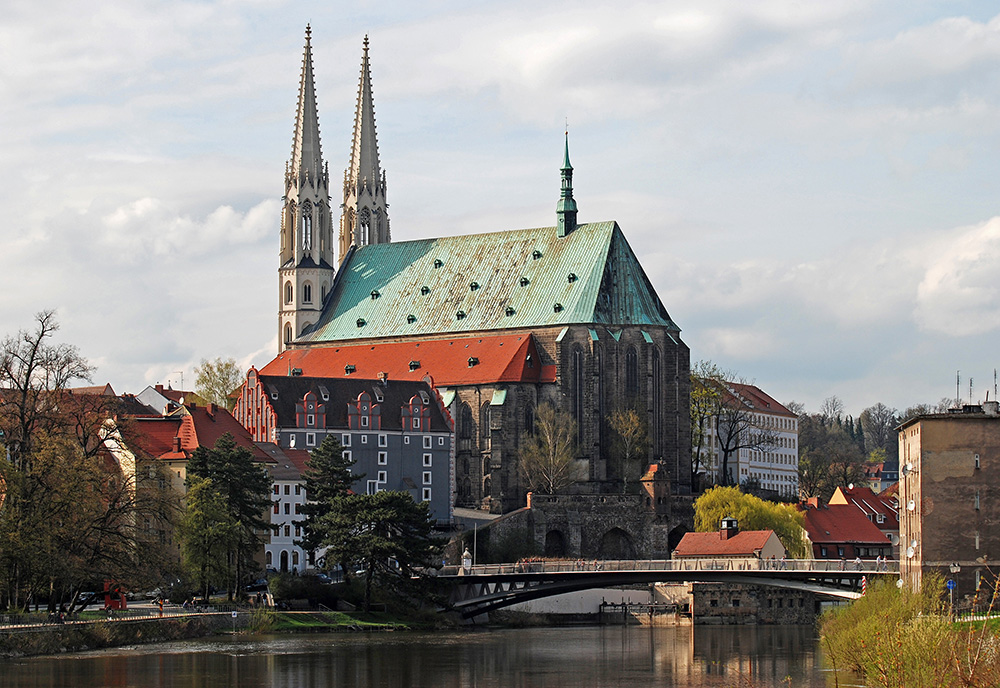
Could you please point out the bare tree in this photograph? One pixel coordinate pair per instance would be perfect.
(631, 441)
(707, 386)
(879, 424)
(739, 426)
(832, 409)
(548, 459)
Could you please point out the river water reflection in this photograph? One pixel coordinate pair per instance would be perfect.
(762, 657)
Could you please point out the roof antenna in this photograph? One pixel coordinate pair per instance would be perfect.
(958, 386)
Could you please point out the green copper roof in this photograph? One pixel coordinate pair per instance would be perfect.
(525, 278)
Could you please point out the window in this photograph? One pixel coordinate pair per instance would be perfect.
(383, 458)
(416, 423)
(277, 490)
(345, 440)
(426, 496)
(428, 441)
(310, 439)
(298, 508)
(406, 440)
(310, 419)
(428, 459)
(427, 477)
(364, 439)
(288, 508)
(288, 531)
(277, 507)
(977, 500)
(287, 489)
(288, 333)
(631, 373)
(298, 531)
(978, 579)
(383, 441)
(289, 293)
(440, 441)
(298, 489)
(382, 476)
(347, 456)
(364, 423)
(977, 460)
(295, 557)
(307, 293)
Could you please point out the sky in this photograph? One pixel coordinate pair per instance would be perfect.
(813, 188)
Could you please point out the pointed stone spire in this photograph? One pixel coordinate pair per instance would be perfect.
(566, 207)
(307, 155)
(365, 218)
(305, 265)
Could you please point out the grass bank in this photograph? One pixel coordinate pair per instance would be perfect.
(897, 639)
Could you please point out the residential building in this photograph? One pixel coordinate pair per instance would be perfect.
(770, 464)
(730, 543)
(949, 496)
(288, 493)
(882, 509)
(843, 531)
(562, 315)
(397, 432)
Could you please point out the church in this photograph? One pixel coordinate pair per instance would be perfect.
(498, 322)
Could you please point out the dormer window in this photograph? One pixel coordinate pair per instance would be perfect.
(361, 322)
(459, 315)
(414, 365)
(438, 262)
(375, 294)
(411, 318)
(509, 311)
(536, 254)
(473, 286)
(557, 307)
(525, 281)
(473, 361)
(348, 369)
(425, 290)
(571, 277)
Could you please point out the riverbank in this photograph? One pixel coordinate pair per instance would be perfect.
(81, 637)
(898, 639)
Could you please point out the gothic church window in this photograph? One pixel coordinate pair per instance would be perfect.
(578, 390)
(631, 374)
(364, 228)
(484, 427)
(307, 293)
(306, 227)
(657, 394)
(289, 292)
(288, 333)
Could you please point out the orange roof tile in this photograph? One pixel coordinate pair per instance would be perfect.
(504, 358)
(744, 543)
(842, 523)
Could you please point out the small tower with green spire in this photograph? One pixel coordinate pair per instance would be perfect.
(566, 207)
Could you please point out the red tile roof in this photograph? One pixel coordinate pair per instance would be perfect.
(744, 543)
(871, 505)
(760, 400)
(200, 427)
(842, 523)
(505, 358)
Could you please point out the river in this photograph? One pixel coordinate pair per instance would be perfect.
(634, 656)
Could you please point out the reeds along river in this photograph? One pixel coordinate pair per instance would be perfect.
(639, 657)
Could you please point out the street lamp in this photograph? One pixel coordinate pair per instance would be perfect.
(466, 560)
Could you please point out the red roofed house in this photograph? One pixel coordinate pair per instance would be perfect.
(730, 543)
(843, 531)
(882, 509)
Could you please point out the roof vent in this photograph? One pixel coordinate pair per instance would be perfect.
(348, 369)
(473, 361)
(509, 311)
(375, 294)
(414, 365)
(411, 318)
(378, 394)
(525, 281)
(556, 307)
(473, 286)
(571, 277)
(324, 392)
(438, 262)
(460, 314)
(361, 322)
(296, 372)
(425, 290)
(536, 254)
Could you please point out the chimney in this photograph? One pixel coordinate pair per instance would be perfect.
(728, 528)
(383, 378)
(210, 409)
(177, 445)
(158, 387)
(991, 408)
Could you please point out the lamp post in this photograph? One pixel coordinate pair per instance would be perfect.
(954, 568)
(466, 561)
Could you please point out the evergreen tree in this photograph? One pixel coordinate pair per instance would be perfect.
(327, 477)
(387, 535)
(208, 533)
(246, 488)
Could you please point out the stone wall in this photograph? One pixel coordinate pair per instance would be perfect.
(715, 603)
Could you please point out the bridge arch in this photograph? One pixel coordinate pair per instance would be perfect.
(616, 544)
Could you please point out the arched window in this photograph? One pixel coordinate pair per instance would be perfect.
(465, 425)
(307, 293)
(307, 226)
(364, 227)
(288, 333)
(529, 419)
(578, 393)
(599, 374)
(631, 374)
(484, 427)
(289, 293)
(657, 394)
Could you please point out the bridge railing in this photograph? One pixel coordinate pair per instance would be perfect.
(682, 564)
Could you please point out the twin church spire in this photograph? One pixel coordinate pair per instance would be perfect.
(307, 263)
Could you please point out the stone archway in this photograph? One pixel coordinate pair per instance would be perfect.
(555, 544)
(674, 537)
(616, 544)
